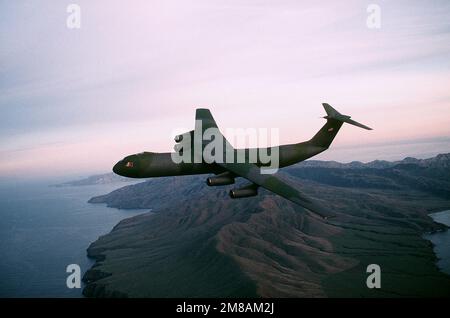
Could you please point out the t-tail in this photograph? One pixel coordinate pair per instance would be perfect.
(326, 134)
(334, 114)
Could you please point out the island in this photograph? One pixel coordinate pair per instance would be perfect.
(198, 242)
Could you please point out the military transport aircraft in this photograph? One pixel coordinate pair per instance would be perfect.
(149, 164)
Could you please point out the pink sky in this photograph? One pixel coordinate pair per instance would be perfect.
(76, 101)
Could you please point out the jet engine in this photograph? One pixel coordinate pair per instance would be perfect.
(221, 179)
(244, 192)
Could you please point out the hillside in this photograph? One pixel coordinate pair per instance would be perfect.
(201, 243)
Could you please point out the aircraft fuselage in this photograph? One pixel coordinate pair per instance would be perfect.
(205, 150)
(151, 164)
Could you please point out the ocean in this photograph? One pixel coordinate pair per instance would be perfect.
(441, 241)
(43, 229)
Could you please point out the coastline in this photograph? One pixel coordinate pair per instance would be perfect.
(440, 239)
(273, 245)
(393, 242)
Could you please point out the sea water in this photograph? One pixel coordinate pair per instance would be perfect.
(43, 229)
(441, 241)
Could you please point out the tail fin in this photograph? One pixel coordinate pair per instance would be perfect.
(324, 137)
(334, 114)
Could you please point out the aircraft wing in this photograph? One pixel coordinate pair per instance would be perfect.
(276, 184)
(252, 173)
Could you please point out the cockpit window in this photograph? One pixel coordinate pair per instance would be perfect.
(129, 164)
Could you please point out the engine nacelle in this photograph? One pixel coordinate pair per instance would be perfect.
(219, 180)
(248, 191)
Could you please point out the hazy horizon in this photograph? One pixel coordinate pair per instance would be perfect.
(75, 101)
(422, 149)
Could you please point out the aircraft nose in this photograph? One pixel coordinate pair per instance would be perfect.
(117, 168)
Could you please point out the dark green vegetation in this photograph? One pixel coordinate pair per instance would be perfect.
(199, 242)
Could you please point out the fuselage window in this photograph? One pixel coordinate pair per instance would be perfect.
(129, 164)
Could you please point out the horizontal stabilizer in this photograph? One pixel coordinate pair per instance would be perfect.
(334, 114)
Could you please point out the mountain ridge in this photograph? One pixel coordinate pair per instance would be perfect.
(110, 177)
